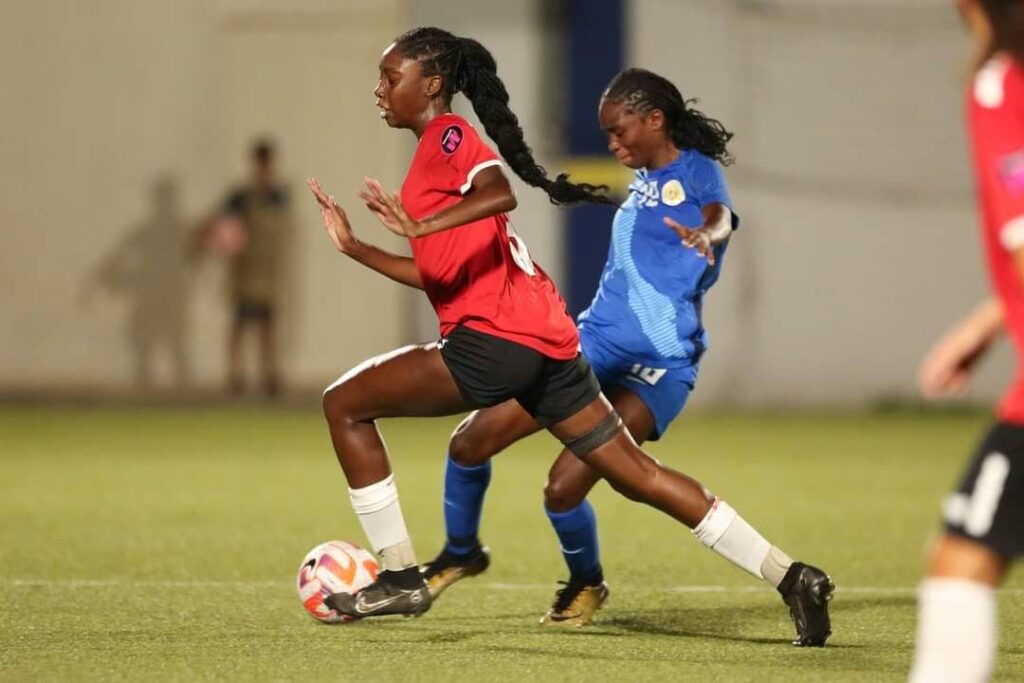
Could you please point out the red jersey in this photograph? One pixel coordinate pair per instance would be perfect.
(996, 124)
(479, 274)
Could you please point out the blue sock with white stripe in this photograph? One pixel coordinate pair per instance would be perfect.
(577, 534)
(464, 489)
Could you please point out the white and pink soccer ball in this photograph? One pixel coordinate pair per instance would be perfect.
(333, 567)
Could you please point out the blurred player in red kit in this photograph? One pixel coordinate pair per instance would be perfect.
(984, 516)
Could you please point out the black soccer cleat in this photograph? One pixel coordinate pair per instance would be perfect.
(447, 568)
(383, 596)
(807, 591)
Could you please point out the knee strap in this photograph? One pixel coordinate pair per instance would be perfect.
(602, 433)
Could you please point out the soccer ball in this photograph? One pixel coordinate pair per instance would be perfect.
(333, 567)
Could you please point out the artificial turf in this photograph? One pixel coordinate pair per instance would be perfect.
(162, 543)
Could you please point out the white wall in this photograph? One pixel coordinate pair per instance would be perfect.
(859, 238)
(101, 99)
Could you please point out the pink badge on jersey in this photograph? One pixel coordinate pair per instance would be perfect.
(451, 138)
(1011, 170)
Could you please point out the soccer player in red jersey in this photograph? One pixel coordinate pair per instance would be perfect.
(984, 517)
(504, 331)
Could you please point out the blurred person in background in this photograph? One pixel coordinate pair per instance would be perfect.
(149, 271)
(984, 516)
(252, 231)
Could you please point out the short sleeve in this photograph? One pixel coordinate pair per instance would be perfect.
(709, 186)
(708, 182)
(460, 150)
(997, 133)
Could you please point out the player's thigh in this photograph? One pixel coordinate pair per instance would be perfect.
(648, 395)
(568, 401)
(487, 432)
(957, 557)
(595, 435)
(664, 391)
(636, 415)
(412, 381)
(570, 479)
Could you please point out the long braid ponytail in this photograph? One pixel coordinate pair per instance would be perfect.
(468, 67)
(1007, 19)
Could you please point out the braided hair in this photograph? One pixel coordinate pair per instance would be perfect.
(643, 91)
(466, 66)
(1007, 19)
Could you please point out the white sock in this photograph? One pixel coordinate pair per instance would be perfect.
(956, 632)
(729, 535)
(775, 565)
(380, 515)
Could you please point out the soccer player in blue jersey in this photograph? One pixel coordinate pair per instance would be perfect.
(644, 338)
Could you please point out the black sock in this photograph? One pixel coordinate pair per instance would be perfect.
(595, 579)
(463, 546)
(408, 578)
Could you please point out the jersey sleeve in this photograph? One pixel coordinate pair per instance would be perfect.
(457, 154)
(709, 185)
(998, 137)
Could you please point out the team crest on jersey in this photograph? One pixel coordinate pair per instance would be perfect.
(451, 138)
(1011, 170)
(672, 193)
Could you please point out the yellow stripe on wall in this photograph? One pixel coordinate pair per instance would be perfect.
(598, 171)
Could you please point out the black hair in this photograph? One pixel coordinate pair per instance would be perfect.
(643, 91)
(1007, 20)
(466, 66)
(263, 151)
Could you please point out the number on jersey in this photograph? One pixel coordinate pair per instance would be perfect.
(976, 511)
(520, 254)
(647, 375)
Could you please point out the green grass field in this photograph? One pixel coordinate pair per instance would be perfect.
(162, 544)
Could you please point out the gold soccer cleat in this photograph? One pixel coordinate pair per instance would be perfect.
(446, 569)
(575, 604)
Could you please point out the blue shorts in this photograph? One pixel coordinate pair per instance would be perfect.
(663, 387)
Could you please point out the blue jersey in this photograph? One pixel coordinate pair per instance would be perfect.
(648, 304)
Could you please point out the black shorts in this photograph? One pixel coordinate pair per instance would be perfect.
(489, 370)
(988, 505)
(253, 311)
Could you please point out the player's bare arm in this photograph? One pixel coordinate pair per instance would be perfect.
(948, 367)
(716, 230)
(401, 269)
(491, 194)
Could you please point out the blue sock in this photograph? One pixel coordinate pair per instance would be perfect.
(464, 489)
(577, 534)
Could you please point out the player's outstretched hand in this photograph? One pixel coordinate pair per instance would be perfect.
(388, 209)
(694, 238)
(948, 367)
(335, 221)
